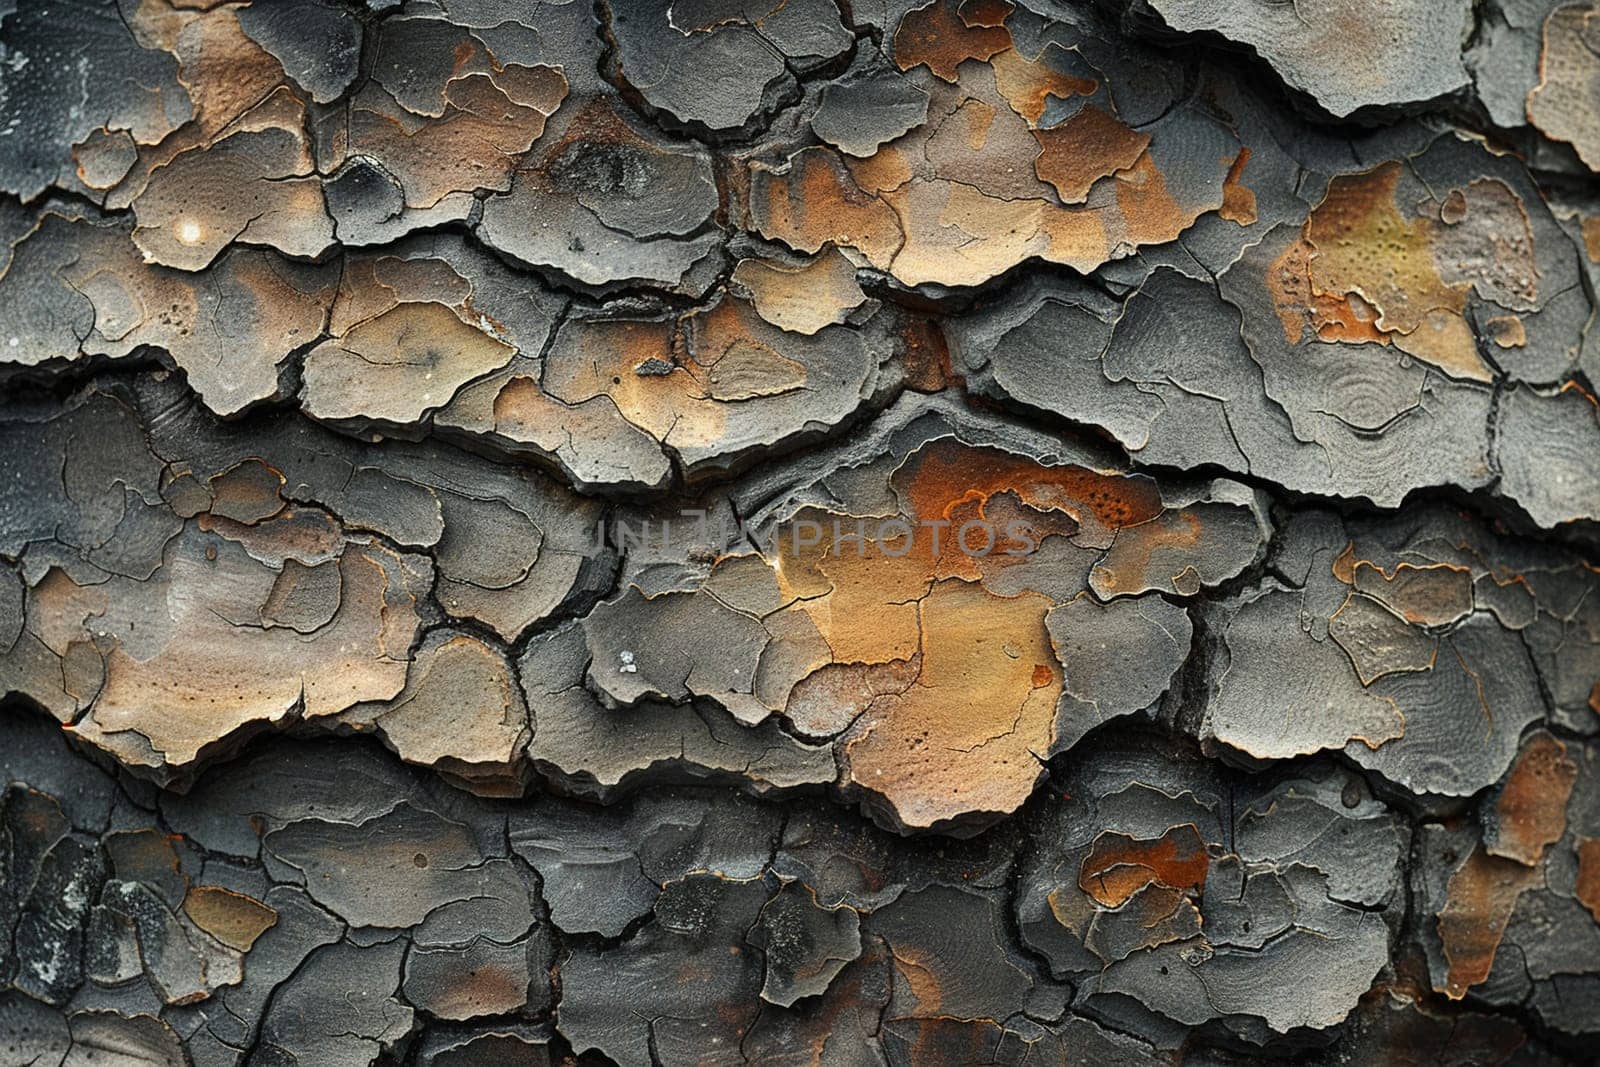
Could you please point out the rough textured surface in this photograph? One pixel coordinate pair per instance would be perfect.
(794, 532)
(1345, 54)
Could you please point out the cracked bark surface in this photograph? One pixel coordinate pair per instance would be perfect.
(783, 531)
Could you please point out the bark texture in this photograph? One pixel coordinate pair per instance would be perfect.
(799, 532)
